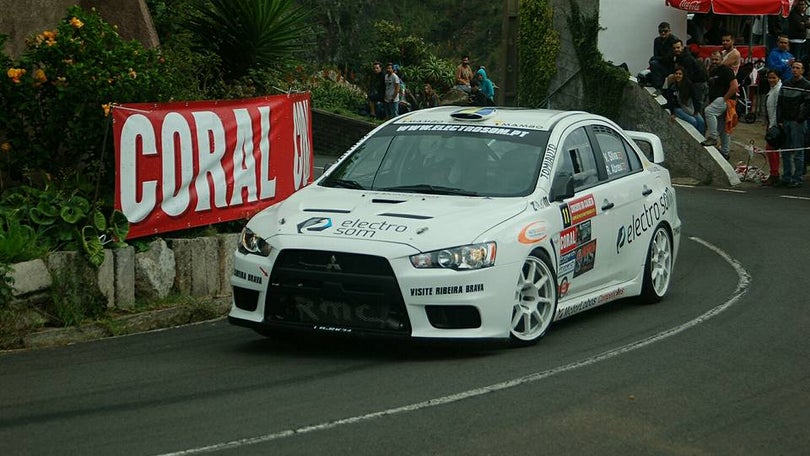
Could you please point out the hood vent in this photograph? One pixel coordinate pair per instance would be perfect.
(408, 216)
(333, 211)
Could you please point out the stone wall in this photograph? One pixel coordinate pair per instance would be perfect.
(199, 267)
(333, 134)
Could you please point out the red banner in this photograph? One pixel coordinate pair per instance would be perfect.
(705, 52)
(188, 164)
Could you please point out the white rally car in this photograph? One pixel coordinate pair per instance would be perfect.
(469, 223)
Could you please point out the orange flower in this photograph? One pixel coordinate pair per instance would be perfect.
(15, 74)
(39, 76)
(5, 147)
(50, 37)
(76, 23)
(106, 107)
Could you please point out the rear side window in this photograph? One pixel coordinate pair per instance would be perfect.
(620, 158)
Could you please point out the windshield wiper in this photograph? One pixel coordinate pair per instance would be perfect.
(344, 183)
(427, 188)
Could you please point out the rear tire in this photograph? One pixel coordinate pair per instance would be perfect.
(658, 267)
(535, 300)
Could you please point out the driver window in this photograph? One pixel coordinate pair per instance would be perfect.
(577, 161)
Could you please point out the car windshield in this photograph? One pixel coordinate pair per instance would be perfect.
(444, 159)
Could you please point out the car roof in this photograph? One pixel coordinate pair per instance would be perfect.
(536, 119)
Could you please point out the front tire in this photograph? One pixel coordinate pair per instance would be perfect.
(535, 300)
(658, 267)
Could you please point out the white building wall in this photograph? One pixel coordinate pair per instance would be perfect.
(630, 28)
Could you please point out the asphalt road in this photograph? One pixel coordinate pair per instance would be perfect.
(720, 367)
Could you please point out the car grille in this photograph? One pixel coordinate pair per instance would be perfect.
(334, 291)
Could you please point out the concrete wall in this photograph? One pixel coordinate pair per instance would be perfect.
(630, 26)
(20, 19)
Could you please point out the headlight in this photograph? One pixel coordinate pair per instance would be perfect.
(250, 243)
(465, 257)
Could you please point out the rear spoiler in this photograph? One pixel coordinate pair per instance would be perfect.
(650, 144)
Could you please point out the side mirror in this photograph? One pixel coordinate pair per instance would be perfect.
(562, 188)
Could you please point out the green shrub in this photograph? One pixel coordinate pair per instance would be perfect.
(539, 44)
(54, 98)
(53, 219)
(249, 34)
(18, 242)
(72, 301)
(604, 83)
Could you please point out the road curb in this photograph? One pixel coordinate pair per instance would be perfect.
(129, 324)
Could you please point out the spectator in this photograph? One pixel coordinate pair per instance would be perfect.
(791, 114)
(770, 117)
(391, 92)
(464, 74)
(780, 59)
(477, 98)
(797, 30)
(406, 101)
(662, 62)
(730, 55)
(376, 89)
(431, 97)
(722, 88)
(487, 87)
(693, 70)
(680, 94)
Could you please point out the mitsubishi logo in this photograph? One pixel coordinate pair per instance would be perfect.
(333, 265)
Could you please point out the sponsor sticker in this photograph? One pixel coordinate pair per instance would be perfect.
(447, 290)
(586, 256)
(532, 233)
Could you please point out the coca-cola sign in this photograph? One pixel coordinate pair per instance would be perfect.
(734, 7)
(691, 5)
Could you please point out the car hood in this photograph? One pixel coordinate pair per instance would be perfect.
(422, 221)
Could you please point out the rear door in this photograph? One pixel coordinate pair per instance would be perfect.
(627, 203)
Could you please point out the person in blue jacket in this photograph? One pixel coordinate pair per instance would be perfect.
(487, 87)
(780, 59)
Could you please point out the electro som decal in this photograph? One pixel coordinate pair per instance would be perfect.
(314, 224)
(643, 221)
(351, 228)
(532, 233)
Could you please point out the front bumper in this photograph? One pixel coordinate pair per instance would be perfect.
(372, 290)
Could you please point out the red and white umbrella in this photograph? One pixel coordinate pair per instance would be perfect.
(734, 7)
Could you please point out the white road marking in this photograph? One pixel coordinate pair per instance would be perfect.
(730, 190)
(795, 197)
(743, 284)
